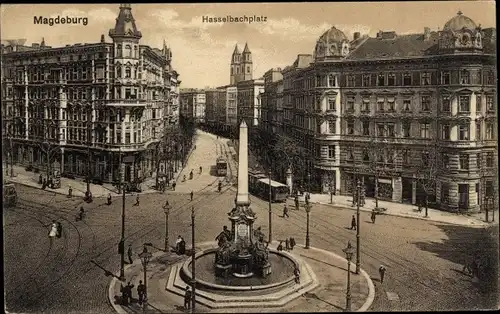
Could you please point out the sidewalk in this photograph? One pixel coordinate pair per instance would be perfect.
(327, 297)
(79, 186)
(402, 210)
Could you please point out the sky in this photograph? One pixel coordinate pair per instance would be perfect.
(202, 51)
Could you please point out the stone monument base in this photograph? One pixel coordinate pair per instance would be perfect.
(222, 270)
(242, 266)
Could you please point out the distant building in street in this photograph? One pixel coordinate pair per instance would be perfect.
(404, 114)
(249, 99)
(215, 114)
(83, 108)
(272, 101)
(193, 102)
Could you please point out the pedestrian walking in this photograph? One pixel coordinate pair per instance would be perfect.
(191, 194)
(40, 179)
(296, 200)
(292, 243)
(287, 244)
(59, 229)
(187, 298)
(173, 185)
(44, 184)
(137, 200)
(280, 246)
(81, 214)
(373, 216)
(141, 291)
(219, 186)
(191, 175)
(70, 191)
(285, 212)
(381, 271)
(123, 290)
(201, 169)
(129, 292)
(353, 223)
(130, 253)
(53, 231)
(109, 199)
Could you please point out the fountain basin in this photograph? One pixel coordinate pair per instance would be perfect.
(283, 265)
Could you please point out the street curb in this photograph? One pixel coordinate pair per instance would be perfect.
(363, 308)
(371, 286)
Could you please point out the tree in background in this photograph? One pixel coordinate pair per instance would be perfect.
(427, 168)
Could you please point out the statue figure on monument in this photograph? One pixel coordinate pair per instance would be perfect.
(222, 254)
(224, 236)
(261, 251)
(257, 233)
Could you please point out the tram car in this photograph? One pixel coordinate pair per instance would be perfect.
(221, 166)
(259, 185)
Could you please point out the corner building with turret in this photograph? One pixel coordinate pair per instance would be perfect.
(84, 108)
(407, 115)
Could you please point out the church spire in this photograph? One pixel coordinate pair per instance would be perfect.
(236, 51)
(246, 50)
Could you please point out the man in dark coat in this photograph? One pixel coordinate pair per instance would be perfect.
(173, 185)
(191, 194)
(129, 291)
(188, 295)
(381, 271)
(285, 212)
(141, 290)
(353, 223)
(130, 253)
(59, 229)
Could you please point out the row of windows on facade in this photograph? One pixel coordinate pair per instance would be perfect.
(82, 115)
(84, 74)
(80, 135)
(86, 93)
(463, 192)
(394, 79)
(388, 104)
(9, 70)
(388, 130)
(388, 157)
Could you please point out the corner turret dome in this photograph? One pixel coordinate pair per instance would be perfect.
(332, 44)
(459, 22)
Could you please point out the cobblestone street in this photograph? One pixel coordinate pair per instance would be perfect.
(423, 258)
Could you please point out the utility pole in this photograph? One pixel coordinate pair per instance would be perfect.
(270, 209)
(358, 187)
(193, 260)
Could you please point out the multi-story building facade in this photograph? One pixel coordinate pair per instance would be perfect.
(399, 113)
(193, 102)
(232, 105)
(173, 102)
(272, 101)
(211, 97)
(215, 112)
(84, 107)
(249, 99)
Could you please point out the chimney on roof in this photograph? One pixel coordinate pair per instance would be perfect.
(102, 39)
(357, 35)
(42, 44)
(427, 33)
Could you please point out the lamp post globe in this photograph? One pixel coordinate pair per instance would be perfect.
(145, 257)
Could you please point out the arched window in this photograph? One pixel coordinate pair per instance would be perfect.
(128, 72)
(136, 54)
(118, 50)
(118, 71)
(332, 80)
(128, 51)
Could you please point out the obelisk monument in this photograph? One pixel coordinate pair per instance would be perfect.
(242, 195)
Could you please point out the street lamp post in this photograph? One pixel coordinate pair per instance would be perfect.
(145, 257)
(358, 225)
(308, 210)
(167, 208)
(348, 254)
(193, 260)
(270, 198)
(122, 239)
